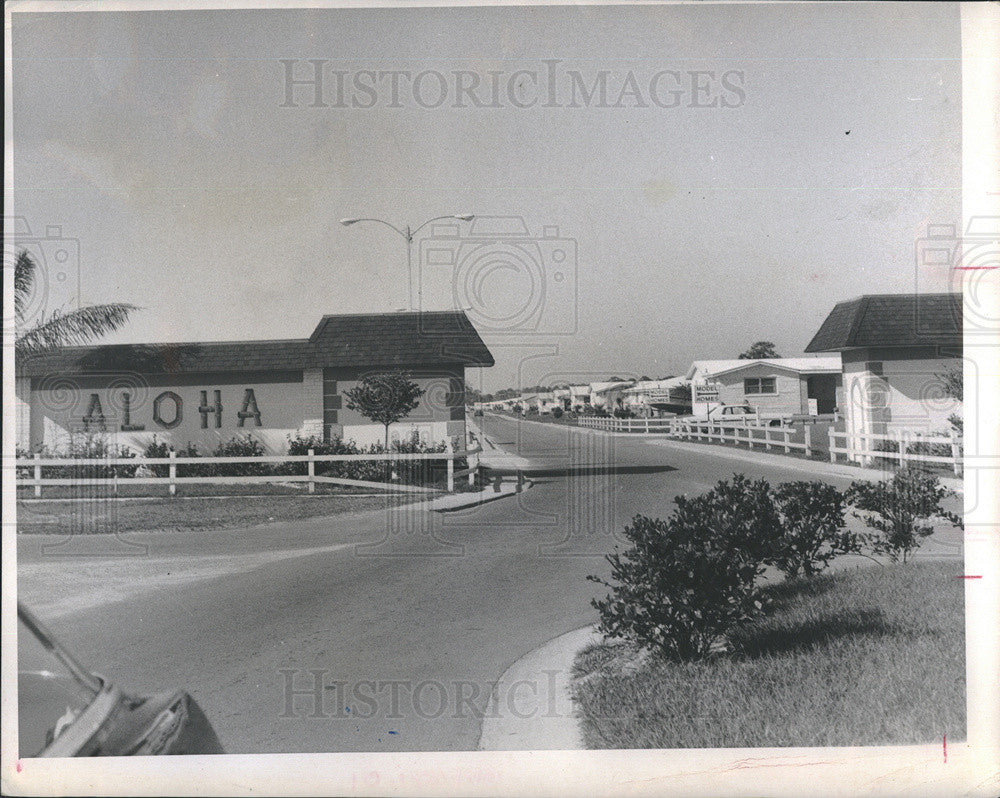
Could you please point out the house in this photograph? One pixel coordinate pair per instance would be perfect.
(579, 396)
(895, 349)
(653, 397)
(206, 393)
(772, 386)
(608, 395)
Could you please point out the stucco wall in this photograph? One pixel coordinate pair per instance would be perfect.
(290, 403)
(907, 395)
(60, 409)
(789, 397)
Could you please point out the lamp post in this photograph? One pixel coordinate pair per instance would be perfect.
(408, 234)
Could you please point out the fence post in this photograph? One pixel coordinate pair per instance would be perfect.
(900, 448)
(38, 477)
(647, 425)
(311, 470)
(787, 435)
(956, 460)
(173, 472)
(832, 436)
(767, 438)
(451, 466)
(807, 432)
(472, 469)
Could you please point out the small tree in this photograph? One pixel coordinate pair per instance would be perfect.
(812, 528)
(385, 398)
(899, 509)
(760, 350)
(952, 380)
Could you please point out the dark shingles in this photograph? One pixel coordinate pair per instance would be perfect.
(891, 320)
(362, 340)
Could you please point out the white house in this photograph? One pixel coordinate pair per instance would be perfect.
(648, 397)
(895, 350)
(607, 395)
(772, 386)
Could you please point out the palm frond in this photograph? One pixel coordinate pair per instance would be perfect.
(73, 328)
(24, 277)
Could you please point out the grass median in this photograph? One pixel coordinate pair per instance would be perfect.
(112, 516)
(874, 656)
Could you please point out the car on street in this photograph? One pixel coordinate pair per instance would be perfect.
(65, 710)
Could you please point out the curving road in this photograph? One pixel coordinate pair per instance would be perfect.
(383, 631)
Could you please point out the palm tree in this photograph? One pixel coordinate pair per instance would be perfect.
(60, 329)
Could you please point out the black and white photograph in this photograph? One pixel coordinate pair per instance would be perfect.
(501, 399)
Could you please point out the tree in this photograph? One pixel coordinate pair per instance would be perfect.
(760, 350)
(60, 329)
(952, 381)
(385, 398)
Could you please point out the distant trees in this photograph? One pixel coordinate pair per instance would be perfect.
(760, 350)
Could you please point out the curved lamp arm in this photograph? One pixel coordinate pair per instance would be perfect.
(408, 233)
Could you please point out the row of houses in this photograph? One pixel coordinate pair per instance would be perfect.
(877, 364)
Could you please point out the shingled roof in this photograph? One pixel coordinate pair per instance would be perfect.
(891, 320)
(381, 340)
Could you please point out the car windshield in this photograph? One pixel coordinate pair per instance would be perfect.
(50, 696)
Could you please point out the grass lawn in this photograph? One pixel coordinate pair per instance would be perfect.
(874, 656)
(118, 517)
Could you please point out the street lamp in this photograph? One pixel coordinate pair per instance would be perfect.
(408, 234)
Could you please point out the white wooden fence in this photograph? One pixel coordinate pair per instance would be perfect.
(899, 446)
(779, 436)
(37, 462)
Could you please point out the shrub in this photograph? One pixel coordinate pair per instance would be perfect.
(622, 412)
(686, 582)
(90, 446)
(239, 446)
(557, 412)
(898, 510)
(812, 528)
(159, 449)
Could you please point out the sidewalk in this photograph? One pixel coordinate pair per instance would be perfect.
(530, 708)
(495, 457)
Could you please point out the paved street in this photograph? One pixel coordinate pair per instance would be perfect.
(386, 630)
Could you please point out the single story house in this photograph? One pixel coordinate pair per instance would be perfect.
(608, 395)
(207, 393)
(895, 349)
(772, 386)
(579, 397)
(649, 397)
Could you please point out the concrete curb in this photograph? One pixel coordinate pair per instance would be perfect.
(530, 708)
(459, 501)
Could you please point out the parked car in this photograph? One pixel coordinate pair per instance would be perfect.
(735, 414)
(65, 710)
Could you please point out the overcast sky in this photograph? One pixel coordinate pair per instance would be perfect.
(745, 168)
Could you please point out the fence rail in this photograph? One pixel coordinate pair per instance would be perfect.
(37, 462)
(783, 436)
(901, 446)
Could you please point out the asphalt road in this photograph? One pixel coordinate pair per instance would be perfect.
(378, 632)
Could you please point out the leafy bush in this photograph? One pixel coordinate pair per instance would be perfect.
(532, 410)
(409, 472)
(622, 412)
(240, 446)
(812, 528)
(687, 581)
(91, 446)
(557, 412)
(162, 449)
(898, 510)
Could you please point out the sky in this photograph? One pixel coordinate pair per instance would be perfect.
(744, 169)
